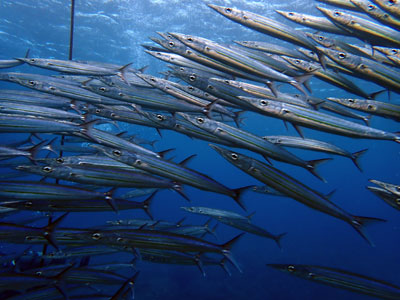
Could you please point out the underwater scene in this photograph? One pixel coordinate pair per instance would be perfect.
(216, 149)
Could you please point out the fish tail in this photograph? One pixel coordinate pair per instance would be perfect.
(312, 164)
(355, 156)
(238, 195)
(222, 263)
(237, 119)
(34, 150)
(146, 204)
(226, 250)
(49, 229)
(358, 224)
(272, 87)
(366, 119)
(179, 189)
(126, 286)
(277, 239)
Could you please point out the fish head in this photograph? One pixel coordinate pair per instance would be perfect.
(299, 270)
(233, 157)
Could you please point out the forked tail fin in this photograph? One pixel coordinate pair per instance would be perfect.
(358, 224)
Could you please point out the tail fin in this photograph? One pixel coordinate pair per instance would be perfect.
(146, 204)
(359, 222)
(312, 164)
(48, 230)
(238, 195)
(226, 250)
(355, 156)
(130, 282)
(277, 239)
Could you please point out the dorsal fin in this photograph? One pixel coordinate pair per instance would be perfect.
(184, 162)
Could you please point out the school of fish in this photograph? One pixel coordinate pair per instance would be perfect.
(208, 87)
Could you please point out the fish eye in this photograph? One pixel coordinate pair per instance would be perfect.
(189, 52)
(342, 55)
(392, 2)
(160, 117)
(52, 88)
(31, 82)
(385, 16)
(245, 17)
(190, 88)
(397, 188)
(171, 44)
(28, 204)
(153, 79)
(370, 7)
(234, 156)
(304, 19)
(285, 111)
(112, 115)
(47, 169)
(320, 38)
(192, 77)
(117, 152)
(370, 106)
(103, 89)
(336, 14)
(311, 275)
(120, 94)
(207, 48)
(60, 160)
(32, 60)
(190, 39)
(291, 268)
(138, 162)
(96, 236)
(351, 100)
(352, 22)
(398, 201)
(98, 111)
(291, 14)
(200, 120)
(394, 51)
(228, 10)
(120, 240)
(182, 69)
(264, 102)
(297, 61)
(210, 87)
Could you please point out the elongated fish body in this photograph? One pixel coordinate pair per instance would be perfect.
(35, 98)
(235, 59)
(247, 140)
(180, 60)
(347, 4)
(318, 23)
(379, 108)
(73, 67)
(65, 89)
(171, 170)
(390, 198)
(375, 12)
(153, 99)
(392, 7)
(31, 190)
(179, 48)
(343, 279)
(366, 68)
(40, 111)
(265, 25)
(100, 176)
(18, 123)
(289, 186)
(123, 114)
(270, 48)
(215, 213)
(327, 75)
(363, 28)
(234, 220)
(171, 88)
(320, 121)
(311, 144)
(10, 63)
(104, 138)
(389, 51)
(262, 92)
(393, 188)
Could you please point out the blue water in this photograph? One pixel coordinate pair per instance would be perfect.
(112, 31)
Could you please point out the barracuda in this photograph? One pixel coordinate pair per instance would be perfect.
(300, 116)
(292, 188)
(318, 23)
(247, 140)
(177, 172)
(343, 279)
(240, 61)
(379, 108)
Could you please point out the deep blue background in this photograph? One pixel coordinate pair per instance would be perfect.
(112, 31)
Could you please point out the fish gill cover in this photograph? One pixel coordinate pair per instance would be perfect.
(81, 225)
